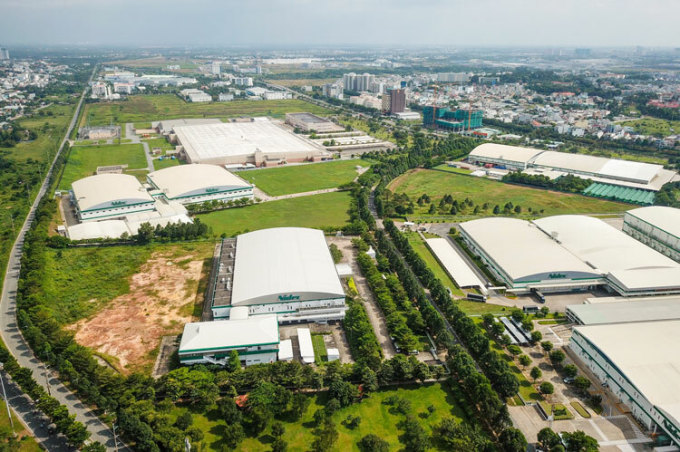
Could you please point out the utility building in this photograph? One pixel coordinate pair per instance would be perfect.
(255, 339)
(284, 271)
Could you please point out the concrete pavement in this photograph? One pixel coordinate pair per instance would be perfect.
(13, 338)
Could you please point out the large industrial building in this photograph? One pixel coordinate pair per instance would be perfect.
(623, 180)
(569, 252)
(283, 271)
(256, 339)
(308, 122)
(191, 184)
(108, 196)
(607, 310)
(657, 227)
(257, 141)
(640, 365)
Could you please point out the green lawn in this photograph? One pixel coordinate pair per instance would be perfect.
(452, 169)
(159, 143)
(26, 442)
(437, 184)
(84, 160)
(328, 209)
(478, 308)
(302, 178)
(424, 252)
(69, 289)
(145, 108)
(320, 353)
(654, 126)
(165, 163)
(376, 418)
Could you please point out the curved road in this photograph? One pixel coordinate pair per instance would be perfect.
(16, 344)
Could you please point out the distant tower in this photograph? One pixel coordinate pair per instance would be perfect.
(4, 54)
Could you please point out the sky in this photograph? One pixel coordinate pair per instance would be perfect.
(320, 23)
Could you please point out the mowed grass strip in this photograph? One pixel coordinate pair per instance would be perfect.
(376, 418)
(423, 251)
(302, 178)
(437, 184)
(144, 108)
(84, 160)
(328, 209)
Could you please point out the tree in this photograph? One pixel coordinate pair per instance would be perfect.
(547, 346)
(536, 337)
(524, 360)
(279, 445)
(373, 443)
(557, 356)
(535, 373)
(343, 391)
(415, 438)
(145, 233)
(546, 388)
(578, 441)
(548, 438)
(184, 420)
(298, 405)
(514, 350)
(326, 435)
(229, 411)
(497, 329)
(234, 362)
(512, 440)
(527, 324)
(278, 430)
(582, 383)
(496, 209)
(233, 435)
(517, 315)
(92, 447)
(570, 370)
(452, 435)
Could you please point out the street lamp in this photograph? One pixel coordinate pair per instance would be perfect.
(4, 394)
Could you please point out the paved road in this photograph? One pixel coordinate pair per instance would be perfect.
(134, 138)
(15, 342)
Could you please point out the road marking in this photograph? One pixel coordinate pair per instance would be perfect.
(600, 432)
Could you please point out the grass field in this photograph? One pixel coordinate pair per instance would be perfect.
(302, 178)
(26, 443)
(69, 290)
(84, 160)
(145, 108)
(320, 353)
(437, 184)
(328, 209)
(423, 251)
(159, 143)
(654, 126)
(165, 163)
(376, 418)
(452, 169)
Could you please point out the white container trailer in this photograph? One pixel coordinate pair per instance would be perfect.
(306, 347)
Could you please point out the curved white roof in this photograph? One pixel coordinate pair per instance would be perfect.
(220, 334)
(523, 251)
(505, 152)
(279, 264)
(97, 192)
(661, 217)
(195, 179)
(600, 166)
(602, 245)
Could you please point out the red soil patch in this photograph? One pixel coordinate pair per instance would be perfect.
(160, 302)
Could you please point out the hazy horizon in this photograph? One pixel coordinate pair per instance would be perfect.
(380, 23)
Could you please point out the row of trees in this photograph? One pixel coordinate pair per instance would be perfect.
(362, 340)
(568, 183)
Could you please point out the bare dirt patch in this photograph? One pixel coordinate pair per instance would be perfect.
(162, 298)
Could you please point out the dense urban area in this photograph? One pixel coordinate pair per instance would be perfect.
(335, 250)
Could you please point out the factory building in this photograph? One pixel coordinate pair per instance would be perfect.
(308, 122)
(453, 120)
(258, 141)
(256, 339)
(623, 180)
(657, 227)
(109, 196)
(283, 271)
(609, 310)
(569, 252)
(191, 184)
(639, 364)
